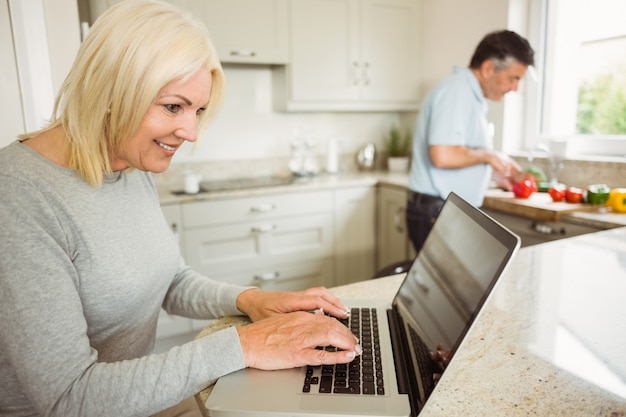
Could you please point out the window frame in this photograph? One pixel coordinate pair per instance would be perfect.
(586, 147)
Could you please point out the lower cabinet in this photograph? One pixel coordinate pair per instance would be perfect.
(280, 242)
(272, 241)
(393, 241)
(355, 234)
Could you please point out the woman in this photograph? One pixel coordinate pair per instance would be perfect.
(88, 259)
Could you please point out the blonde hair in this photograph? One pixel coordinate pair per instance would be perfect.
(131, 52)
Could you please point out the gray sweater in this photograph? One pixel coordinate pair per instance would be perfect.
(84, 272)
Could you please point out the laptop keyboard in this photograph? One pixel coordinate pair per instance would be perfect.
(427, 367)
(364, 375)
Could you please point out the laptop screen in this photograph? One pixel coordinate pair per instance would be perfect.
(461, 260)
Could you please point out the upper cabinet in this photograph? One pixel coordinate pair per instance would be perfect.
(243, 31)
(351, 55)
(330, 55)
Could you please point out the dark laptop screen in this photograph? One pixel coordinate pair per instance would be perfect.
(461, 260)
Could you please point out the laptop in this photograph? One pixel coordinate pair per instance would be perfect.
(448, 282)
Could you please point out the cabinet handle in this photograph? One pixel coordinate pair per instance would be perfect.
(264, 228)
(174, 227)
(366, 74)
(422, 286)
(398, 219)
(244, 53)
(268, 276)
(262, 208)
(355, 73)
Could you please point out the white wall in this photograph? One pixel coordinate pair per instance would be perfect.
(451, 30)
(247, 127)
(39, 42)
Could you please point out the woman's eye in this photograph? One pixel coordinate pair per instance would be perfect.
(172, 108)
(200, 111)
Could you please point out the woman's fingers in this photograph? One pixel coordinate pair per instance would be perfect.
(290, 340)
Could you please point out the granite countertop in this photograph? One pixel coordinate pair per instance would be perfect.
(549, 341)
(539, 206)
(319, 182)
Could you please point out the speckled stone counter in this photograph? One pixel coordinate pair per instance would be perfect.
(550, 341)
(600, 217)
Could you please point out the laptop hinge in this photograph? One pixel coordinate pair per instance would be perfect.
(401, 358)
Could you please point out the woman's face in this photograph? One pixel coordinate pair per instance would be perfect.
(170, 120)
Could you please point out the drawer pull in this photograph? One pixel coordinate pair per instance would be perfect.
(268, 276)
(264, 228)
(398, 219)
(244, 53)
(263, 208)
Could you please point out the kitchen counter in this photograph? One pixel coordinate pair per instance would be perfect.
(549, 341)
(538, 207)
(323, 181)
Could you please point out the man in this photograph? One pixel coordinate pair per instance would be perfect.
(452, 145)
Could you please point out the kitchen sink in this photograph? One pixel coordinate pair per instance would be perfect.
(209, 186)
(252, 182)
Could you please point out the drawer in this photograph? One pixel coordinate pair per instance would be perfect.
(209, 213)
(287, 277)
(259, 243)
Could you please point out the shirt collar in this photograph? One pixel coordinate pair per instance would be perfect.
(473, 81)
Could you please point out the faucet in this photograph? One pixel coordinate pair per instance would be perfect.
(556, 162)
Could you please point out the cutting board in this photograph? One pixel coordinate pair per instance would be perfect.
(538, 206)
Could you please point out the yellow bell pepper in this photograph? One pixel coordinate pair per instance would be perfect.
(617, 200)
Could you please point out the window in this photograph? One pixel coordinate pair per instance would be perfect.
(581, 85)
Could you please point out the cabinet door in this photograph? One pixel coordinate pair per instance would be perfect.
(393, 243)
(174, 217)
(283, 277)
(245, 31)
(255, 209)
(355, 234)
(11, 114)
(242, 31)
(350, 55)
(171, 325)
(324, 49)
(389, 50)
(217, 249)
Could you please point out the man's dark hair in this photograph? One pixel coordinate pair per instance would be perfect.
(501, 47)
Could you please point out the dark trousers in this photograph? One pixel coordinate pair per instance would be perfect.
(421, 212)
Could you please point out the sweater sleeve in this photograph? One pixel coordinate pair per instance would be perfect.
(196, 296)
(48, 365)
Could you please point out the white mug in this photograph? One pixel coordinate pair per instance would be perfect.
(192, 183)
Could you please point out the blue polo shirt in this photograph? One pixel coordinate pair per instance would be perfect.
(454, 113)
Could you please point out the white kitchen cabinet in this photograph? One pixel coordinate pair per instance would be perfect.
(355, 234)
(393, 241)
(174, 216)
(245, 31)
(242, 31)
(350, 55)
(11, 114)
(271, 241)
(171, 324)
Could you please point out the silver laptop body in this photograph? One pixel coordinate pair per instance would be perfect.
(463, 257)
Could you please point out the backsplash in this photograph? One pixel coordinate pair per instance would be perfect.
(246, 168)
(579, 173)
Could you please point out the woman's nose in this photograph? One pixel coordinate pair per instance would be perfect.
(188, 130)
